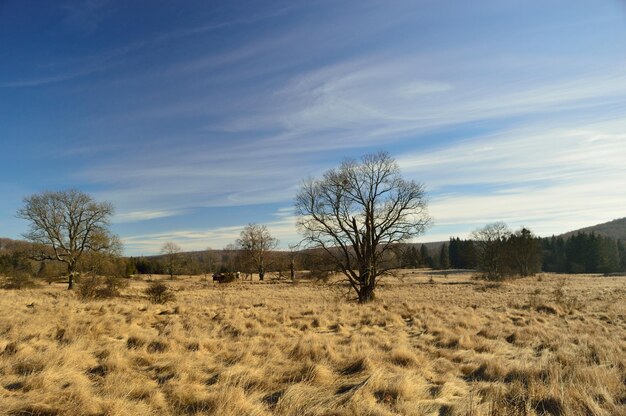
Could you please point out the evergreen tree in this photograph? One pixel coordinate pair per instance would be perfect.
(554, 255)
(591, 253)
(415, 256)
(131, 266)
(425, 258)
(444, 257)
(468, 254)
(409, 259)
(524, 252)
(608, 255)
(454, 252)
(621, 251)
(462, 253)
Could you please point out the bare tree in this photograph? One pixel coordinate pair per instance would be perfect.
(357, 212)
(257, 242)
(66, 224)
(208, 261)
(490, 244)
(171, 252)
(292, 261)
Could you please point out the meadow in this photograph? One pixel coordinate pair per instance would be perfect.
(544, 345)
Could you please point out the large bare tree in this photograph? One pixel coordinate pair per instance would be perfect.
(257, 242)
(66, 224)
(357, 213)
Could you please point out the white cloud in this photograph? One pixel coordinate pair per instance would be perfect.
(563, 169)
(199, 239)
(552, 179)
(552, 175)
(134, 216)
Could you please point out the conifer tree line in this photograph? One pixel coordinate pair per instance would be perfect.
(580, 253)
(583, 253)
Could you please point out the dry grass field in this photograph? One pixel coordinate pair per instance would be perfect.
(546, 345)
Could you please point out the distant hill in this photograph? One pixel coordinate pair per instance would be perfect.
(615, 229)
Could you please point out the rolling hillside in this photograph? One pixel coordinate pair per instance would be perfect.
(615, 229)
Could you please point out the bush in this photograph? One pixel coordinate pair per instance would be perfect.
(159, 293)
(88, 287)
(18, 280)
(95, 287)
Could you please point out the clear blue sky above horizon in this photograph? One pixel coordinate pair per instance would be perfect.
(195, 118)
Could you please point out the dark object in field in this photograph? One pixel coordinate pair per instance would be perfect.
(224, 277)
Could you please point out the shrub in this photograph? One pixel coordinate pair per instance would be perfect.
(88, 287)
(18, 280)
(159, 293)
(95, 287)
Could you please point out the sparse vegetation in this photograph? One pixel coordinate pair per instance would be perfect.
(99, 287)
(501, 254)
(159, 292)
(441, 349)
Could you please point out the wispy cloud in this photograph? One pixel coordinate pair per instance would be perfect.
(134, 216)
(394, 99)
(199, 239)
(360, 104)
(501, 116)
(86, 16)
(550, 178)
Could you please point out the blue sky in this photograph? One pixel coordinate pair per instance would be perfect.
(195, 118)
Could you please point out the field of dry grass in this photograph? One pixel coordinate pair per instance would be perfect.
(537, 346)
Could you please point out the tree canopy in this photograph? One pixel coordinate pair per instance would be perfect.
(257, 242)
(65, 224)
(357, 212)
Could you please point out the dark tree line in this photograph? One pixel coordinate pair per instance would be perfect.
(462, 254)
(523, 254)
(411, 257)
(583, 253)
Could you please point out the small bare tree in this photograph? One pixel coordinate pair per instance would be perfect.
(208, 261)
(171, 252)
(257, 242)
(357, 213)
(490, 244)
(292, 261)
(66, 224)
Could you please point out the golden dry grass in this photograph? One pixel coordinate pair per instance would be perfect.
(455, 347)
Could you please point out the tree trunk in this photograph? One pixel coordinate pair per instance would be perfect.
(366, 287)
(261, 272)
(70, 276)
(292, 269)
(366, 294)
